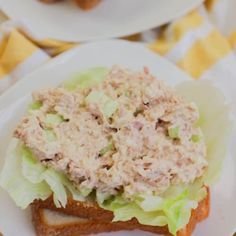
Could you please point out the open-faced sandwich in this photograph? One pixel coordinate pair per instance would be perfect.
(83, 4)
(113, 149)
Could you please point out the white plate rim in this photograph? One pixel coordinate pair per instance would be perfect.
(72, 37)
(66, 57)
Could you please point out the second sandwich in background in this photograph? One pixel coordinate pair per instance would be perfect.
(83, 4)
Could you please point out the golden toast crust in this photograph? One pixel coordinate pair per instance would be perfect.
(84, 4)
(87, 4)
(42, 227)
(99, 220)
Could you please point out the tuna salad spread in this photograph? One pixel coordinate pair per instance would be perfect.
(128, 133)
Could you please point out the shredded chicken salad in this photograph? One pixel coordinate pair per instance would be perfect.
(128, 133)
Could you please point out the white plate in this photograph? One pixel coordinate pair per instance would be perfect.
(14, 221)
(111, 18)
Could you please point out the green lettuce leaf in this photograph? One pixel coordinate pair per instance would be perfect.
(178, 211)
(25, 179)
(214, 122)
(53, 179)
(101, 197)
(31, 169)
(21, 190)
(154, 210)
(85, 191)
(87, 78)
(132, 210)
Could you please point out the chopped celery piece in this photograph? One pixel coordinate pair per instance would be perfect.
(51, 136)
(173, 132)
(196, 138)
(106, 149)
(53, 119)
(35, 106)
(106, 104)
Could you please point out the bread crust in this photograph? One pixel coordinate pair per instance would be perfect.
(42, 227)
(49, 1)
(84, 4)
(99, 220)
(87, 4)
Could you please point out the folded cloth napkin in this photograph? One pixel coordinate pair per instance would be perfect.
(203, 43)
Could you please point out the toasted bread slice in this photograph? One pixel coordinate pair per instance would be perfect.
(83, 4)
(87, 4)
(50, 1)
(80, 218)
(52, 223)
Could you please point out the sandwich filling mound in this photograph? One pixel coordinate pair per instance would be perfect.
(130, 133)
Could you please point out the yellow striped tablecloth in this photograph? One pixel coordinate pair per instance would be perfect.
(203, 43)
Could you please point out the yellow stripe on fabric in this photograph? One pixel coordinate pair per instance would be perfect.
(204, 53)
(209, 4)
(62, 49)
(51, 43)
(2, 72)
(17, 49)
(54, 47)
(232, 39)
(179, 28)
(3, 44)
(134, 37)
